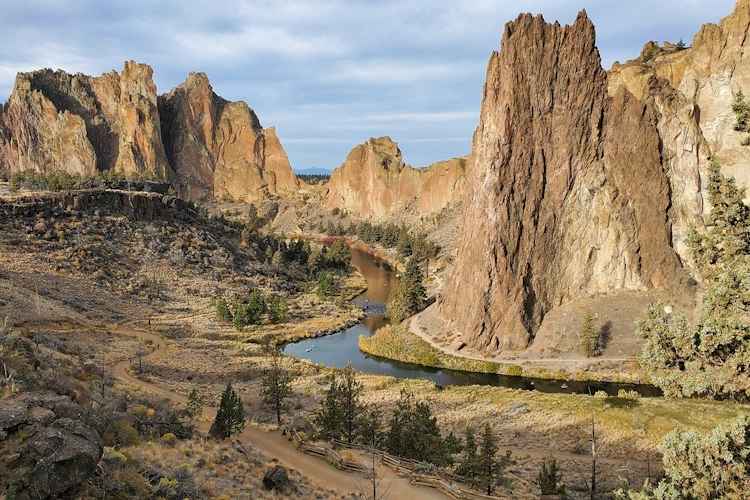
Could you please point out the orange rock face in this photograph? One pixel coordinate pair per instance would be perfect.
(567, 193)
(374, 182)
(191, 137)
(219, 148)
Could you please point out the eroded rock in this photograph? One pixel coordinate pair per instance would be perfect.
(567, 194)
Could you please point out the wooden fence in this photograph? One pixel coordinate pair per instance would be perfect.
(403, 466)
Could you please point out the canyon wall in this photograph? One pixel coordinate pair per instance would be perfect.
(569, 186)
(706, 75)
(206, 146)
(375, 182)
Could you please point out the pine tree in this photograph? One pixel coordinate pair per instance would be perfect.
(276, 387)
(480, 465)
(194, 404)
(230, 417)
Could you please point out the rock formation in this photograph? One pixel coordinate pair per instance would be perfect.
(374, 182)
(219, 148)
(706, 75)
(61, 446)
(568, 187)
(203, 144)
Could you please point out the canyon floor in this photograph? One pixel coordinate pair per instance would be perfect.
(132, 273)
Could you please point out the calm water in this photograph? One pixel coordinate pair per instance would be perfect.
(344, 347)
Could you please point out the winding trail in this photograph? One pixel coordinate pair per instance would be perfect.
(273, 444)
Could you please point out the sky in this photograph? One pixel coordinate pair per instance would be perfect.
(327, 74)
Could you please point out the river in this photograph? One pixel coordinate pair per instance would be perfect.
(338, 349)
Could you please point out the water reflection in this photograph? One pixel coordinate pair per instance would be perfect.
(337, 350)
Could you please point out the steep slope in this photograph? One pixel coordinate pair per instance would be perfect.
(203, 144)
(375, 182)
(567, 192)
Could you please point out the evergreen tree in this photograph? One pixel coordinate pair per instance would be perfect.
(277, 309)
(328, 417)
(741, 109)
(350, 390)
(255, 308)
(714, 357)
(222, 311)
(253, 220)
(339, 254)
(713, 466)
(550, 478)
(409, 294)
(414, 433)
(325, 284)
(371, 431)
(230, 417)
(340, 413)
(276, 387)
(194, 404)
(315, 261)
(588, 335)
(480, 465)
(240, 319)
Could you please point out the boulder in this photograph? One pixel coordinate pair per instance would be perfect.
(277, 479)
(64, 455)
(12, 414)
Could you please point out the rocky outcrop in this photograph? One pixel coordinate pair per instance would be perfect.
(706, 75)
(219, 148)
(56, 121)
(206, 146)
(568, 191)
(375, 182)
(60, 449)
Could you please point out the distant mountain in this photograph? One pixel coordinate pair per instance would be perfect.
(312, 171)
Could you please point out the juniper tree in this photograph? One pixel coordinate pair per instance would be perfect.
(480, 466)
(222, 311)
(712, 358)
(194, 404)
(716, 465)
(550, 478)
(230, 417)
(414, 433)
(409, 294)
(276, 387)
(340, 412)
(588, 335)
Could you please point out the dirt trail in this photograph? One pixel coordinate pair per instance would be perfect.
(273, 444)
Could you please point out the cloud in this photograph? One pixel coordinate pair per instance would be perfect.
(327, 74)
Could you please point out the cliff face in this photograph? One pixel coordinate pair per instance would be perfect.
(706, 75)
(567, 190)
(374, 182)
(219, 148)
(203, 144)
